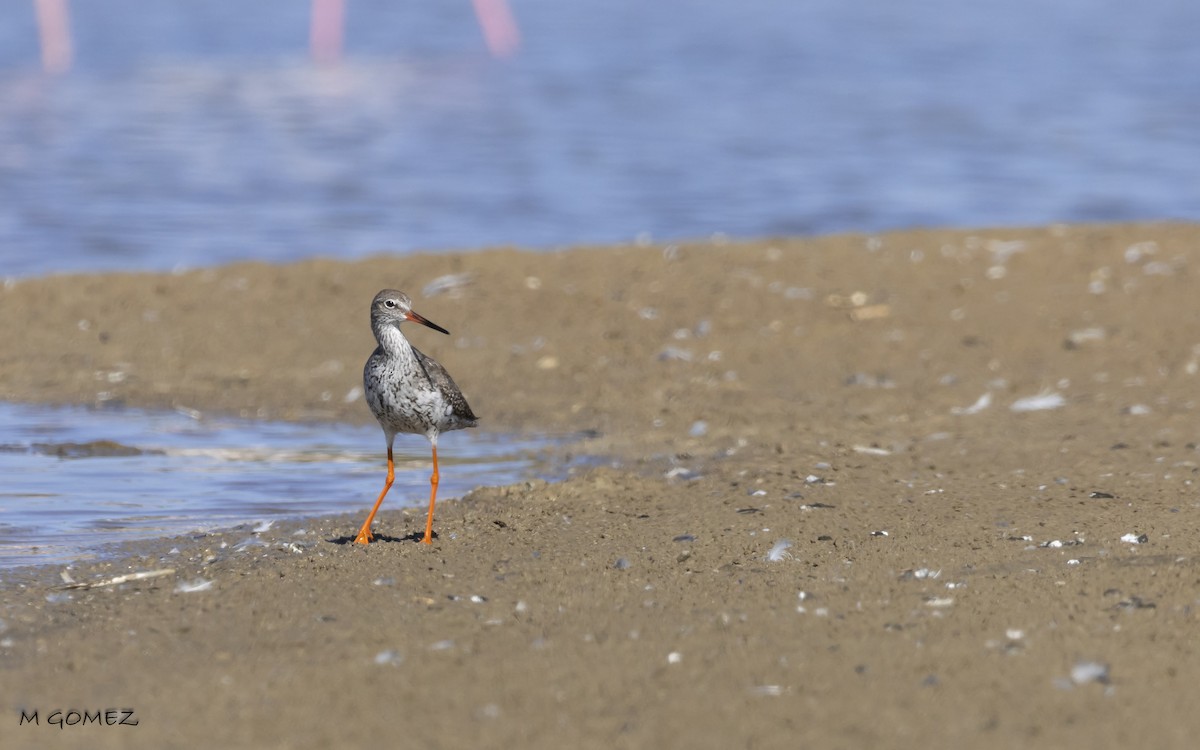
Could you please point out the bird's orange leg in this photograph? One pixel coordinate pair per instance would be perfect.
(433, 483)
(364, 534)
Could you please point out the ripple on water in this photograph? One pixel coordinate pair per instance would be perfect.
(76, 479)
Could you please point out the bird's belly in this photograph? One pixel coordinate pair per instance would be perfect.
(420, 414)
(403, 398)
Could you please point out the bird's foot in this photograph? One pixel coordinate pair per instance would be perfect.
(427, 539)
(364, 536)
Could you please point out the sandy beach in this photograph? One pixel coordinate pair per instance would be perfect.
(909, 490)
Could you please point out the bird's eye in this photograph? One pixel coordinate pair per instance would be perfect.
(389, 303)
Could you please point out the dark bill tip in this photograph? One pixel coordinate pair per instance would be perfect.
(418, 319)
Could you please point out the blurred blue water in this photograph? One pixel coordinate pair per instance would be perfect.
(196, 133)
(58, 502)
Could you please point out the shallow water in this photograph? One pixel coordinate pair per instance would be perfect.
(191, 134)
(75, 479)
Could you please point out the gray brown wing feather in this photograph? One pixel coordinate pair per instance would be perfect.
(441, 380)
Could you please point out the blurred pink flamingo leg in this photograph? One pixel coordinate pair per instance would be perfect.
(326, 29)
(54, 34)
(500, 30)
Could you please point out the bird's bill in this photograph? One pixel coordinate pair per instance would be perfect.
(418, 319)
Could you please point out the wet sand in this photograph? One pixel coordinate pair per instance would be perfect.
(956, 575)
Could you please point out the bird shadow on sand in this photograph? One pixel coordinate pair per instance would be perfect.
(415, 536)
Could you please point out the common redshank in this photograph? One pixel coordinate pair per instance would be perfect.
(408, 392)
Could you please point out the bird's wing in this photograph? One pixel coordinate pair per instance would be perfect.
(441, 380)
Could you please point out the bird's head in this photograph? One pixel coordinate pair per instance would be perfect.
(391, 307)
